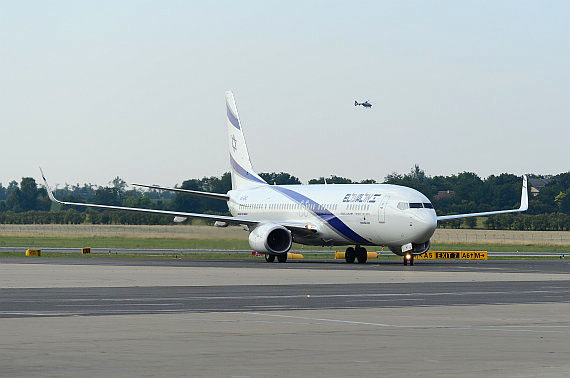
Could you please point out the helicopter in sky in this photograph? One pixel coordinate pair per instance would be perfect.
(366, 104)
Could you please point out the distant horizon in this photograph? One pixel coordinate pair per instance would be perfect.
(56, 185)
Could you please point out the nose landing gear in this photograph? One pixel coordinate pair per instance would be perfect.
(408, 257)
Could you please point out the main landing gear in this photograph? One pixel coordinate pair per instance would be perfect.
(359, 253)
(282, 257)
(408, 257)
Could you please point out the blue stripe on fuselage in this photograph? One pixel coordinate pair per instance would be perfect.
(243, 173)
(233, 119)
(322, 213)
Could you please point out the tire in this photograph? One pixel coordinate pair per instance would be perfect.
(362, 255)
(269, 258)
(282, 257)
(350, 255)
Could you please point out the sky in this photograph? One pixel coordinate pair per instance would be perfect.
(91, 90)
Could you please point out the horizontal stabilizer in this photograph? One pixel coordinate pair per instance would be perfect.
(219, 196)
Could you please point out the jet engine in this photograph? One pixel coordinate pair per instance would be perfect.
(417, 248)
(270, 238)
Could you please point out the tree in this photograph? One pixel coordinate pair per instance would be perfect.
(141, 202)
(563, 201)
(119, 184)
(281, 178)
(417, 174)
(27, 197)
(107, 196)
(470, 222)
(333, 179)
(187, 202)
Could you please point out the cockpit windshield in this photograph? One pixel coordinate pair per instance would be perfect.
(414, 205)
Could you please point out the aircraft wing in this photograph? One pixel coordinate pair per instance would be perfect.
(220, 196)
(523, 207)
(292, 226)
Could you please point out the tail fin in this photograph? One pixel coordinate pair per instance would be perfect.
(243, 175)
(355, 103)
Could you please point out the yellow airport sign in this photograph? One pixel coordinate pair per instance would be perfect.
(85, 251)
(453, 255)
(34, 252)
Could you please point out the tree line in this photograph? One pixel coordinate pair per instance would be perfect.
(26, 202)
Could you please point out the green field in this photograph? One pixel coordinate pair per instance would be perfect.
(119, 242)
(232, 244)
(223, 244)
(154, 255)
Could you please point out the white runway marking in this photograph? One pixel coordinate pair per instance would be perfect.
(557, 293)
(351, 322)
(123, 304)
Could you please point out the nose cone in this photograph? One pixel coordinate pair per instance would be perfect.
(425, 225)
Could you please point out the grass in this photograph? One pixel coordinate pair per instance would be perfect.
(157, 255)
(118, 242)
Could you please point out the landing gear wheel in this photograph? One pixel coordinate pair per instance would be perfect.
(282, 257)
(362, 255)
(350, 255)
(269, 258)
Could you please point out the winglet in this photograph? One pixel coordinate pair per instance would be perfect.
(48, 188)
(524, 195)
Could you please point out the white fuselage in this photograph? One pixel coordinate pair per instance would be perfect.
(342, 214)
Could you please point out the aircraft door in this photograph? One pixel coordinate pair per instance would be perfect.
(382, 208)
(302, 209)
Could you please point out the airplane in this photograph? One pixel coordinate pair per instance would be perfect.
(366, 104)
(359, 215)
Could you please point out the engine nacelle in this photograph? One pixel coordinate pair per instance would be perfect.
(270, 238)
(417, 248)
